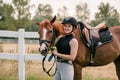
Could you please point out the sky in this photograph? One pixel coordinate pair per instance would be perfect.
(71, 4)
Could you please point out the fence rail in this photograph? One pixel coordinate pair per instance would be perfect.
(21, 56)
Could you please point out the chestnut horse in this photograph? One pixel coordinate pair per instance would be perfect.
(105, 54)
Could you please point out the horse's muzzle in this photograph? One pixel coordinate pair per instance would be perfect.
(43, 52)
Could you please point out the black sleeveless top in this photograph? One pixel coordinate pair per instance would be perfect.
(63, 46)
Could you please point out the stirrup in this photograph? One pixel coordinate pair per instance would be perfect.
(91, 59)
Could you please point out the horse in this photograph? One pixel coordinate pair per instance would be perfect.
(104, 54)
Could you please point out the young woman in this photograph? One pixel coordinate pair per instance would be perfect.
(67, 47)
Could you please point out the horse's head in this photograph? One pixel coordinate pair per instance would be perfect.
(48, 31)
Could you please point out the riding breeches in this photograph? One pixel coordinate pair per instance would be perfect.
(64, 71)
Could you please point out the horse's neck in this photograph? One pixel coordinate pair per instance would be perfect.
(115, 30)
(59, 28)
(57, 33)
(77, 35)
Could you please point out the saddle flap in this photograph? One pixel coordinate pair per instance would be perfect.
(92, 32)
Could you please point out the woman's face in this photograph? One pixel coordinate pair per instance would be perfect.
(67, 28)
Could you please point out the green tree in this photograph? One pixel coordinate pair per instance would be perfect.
(9, 20)
(42, 12)
(22, 13)
(6, 22)
(82, 12)
(1, 10)
(62, 12)
(108, 14)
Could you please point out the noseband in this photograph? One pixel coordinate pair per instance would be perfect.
(44, 41)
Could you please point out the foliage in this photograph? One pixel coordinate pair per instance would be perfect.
(44, 10)
(108, 14)
(17, 14)
(6, 11)
(82, 12)
(62, 12)
(21, 10)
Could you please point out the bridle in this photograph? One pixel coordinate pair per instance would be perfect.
(45, 52)
(52, 41)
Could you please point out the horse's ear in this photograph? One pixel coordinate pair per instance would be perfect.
(53, 20)
(37, 23)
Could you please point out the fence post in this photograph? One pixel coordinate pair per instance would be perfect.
(21, 51)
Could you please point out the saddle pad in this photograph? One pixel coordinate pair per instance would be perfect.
(105, 37)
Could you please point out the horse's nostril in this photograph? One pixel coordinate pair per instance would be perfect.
(39, 50)
(44, 52)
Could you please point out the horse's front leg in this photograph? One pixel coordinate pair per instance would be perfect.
(77, 72)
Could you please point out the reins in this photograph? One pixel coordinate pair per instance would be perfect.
(48, 71)
(46, 54)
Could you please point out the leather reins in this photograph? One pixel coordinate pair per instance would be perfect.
(52, 41)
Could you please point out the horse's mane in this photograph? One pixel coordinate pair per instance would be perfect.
(59, 27)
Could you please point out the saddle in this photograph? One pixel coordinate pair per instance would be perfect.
(94, 37)
(101, 34)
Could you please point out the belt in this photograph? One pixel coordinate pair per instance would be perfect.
(64, 61)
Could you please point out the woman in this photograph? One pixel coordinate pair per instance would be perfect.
(67, 47)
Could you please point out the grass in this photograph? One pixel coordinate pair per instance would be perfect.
(88, 77)
(33, 77)
(33, 70)
(37, 77)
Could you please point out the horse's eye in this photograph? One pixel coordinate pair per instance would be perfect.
(50, 31)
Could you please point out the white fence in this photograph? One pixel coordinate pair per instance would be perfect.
(21, 56)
